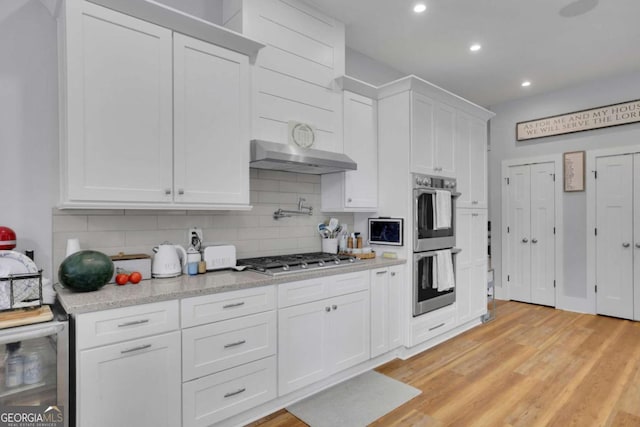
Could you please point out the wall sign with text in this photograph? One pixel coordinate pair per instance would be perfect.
(595, 118)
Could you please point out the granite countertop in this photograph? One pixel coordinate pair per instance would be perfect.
(155, 290)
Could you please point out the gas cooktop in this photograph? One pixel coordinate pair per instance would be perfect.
(286, 264)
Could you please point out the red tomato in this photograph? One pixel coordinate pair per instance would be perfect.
(135, 277)
(122, 279)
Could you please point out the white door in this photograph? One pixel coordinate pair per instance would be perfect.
(444, 125)
(614, 239)
(302, 345)
(348, 331)
(211, 120)
(361, 144)
(542, 238)
(464, 263)
(396, 290)
(422, 143)
(464, 160)
(379, 311)
(134, 383)
(636, 239)
(478, 283)
(478, 163)
(519, 233)
(119, 106)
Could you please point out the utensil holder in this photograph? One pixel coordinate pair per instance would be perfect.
(330, 246)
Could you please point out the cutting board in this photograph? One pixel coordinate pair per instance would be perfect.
(25, 316)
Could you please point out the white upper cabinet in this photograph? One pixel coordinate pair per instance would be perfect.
(293, 77)
(211, 123)
(355, 190)
(118, 108)
(432, 147)
(150, 118)
(471, 160)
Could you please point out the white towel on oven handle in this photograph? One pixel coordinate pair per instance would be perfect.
(443, 273)
(442, 210)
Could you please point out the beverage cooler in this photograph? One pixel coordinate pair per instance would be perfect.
(35, 365)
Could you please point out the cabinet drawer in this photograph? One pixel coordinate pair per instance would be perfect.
(217, 346)
(120, 324)
(302, 291)
(216, 397)
(227, 305)
(434, 324)
(342, 284)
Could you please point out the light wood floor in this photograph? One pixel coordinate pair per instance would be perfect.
(532, 366)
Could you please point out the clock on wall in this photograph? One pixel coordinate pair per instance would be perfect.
(301, 134)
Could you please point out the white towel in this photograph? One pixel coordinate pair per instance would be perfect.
(442, 210)
(443, 277)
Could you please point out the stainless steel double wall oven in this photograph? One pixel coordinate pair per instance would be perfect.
(428, 239)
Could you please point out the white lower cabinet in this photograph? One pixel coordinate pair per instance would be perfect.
(386, 306)
(213, 398)
(471, 264)
(432, 324)
(130, 384)
(320, 338)
(228, 354)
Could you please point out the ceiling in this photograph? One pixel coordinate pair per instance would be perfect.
(552, 43)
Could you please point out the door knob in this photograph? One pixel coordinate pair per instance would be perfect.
(534, 240)
(525, 240)
(638, 245)
(626, 245)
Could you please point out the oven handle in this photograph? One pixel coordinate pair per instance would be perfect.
(454, 251)
(433, 191)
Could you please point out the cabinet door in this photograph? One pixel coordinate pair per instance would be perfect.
(119, 108)
(379, 311)
(478, 246)
(135, 383)
(394, 298)
(211, 120)
(422, 139)
(463, 159)
(348, 331)
(361, 144)
(302, 345)
(477, 163)
(464, 264)
(444, 124)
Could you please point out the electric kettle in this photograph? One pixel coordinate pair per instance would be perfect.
(167, 262)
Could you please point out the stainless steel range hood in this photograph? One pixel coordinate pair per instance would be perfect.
(289, 158)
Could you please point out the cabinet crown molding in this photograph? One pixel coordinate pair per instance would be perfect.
(184, 23)
(415, 83)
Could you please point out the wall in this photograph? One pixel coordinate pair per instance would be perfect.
(367, 69)
(254, 232)
(503, 146)
(28, 124)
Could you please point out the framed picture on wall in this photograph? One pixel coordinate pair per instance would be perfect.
(574, 165)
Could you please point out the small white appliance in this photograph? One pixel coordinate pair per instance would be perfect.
(219, 256)
(167, 262)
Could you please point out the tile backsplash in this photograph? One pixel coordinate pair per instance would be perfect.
(254, 232)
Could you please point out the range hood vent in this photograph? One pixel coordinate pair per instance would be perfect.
(289, 158)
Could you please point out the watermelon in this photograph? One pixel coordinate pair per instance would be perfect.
(85, 271)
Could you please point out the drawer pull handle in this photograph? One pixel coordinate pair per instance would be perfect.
(132, 323)
(234, 393)
(235, 304)
(437, 326)
(382, 272)
(234, 344)
(142, 347)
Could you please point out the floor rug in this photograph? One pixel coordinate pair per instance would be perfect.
(354, 403)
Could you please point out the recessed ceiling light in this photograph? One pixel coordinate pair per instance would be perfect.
(475, 47)
(419, 7)
(525, 83)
